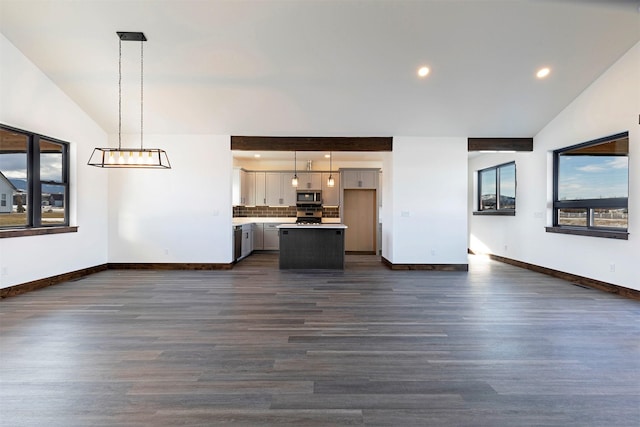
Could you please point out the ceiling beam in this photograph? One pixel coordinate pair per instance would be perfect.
(297, 143)
(499, 144)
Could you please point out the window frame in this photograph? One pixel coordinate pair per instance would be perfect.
(34, 185)
(588, 204)
(498, 211)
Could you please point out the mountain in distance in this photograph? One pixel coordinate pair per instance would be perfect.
(21, 184)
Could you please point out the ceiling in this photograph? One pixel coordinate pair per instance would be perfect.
(325, 67)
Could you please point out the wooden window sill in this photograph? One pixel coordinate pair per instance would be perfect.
(608, 234)
(21, 232)
(505, 212)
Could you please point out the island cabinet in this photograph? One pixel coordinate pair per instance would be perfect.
(279, 191)
(360, 178)
(312, 246)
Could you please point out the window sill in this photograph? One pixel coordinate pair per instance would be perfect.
(505, 212)
(22, 232)
(621, 235)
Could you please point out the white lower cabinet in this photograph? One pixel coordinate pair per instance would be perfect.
(258, 236)
(247, 240)
(271, 238)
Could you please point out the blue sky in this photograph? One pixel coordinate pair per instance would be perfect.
(593, 177)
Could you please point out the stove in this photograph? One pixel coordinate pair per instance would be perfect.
(309, 221)
(309, 215)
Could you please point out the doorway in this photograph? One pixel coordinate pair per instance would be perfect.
(359, 215)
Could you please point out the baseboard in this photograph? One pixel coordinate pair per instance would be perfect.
(168, 266)
(573, 278)
(22, 288)
(428, 267)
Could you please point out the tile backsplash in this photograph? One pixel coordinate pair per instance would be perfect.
(278, 211)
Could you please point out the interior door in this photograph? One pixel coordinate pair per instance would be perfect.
(360, 217)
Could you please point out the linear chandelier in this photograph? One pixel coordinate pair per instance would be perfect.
(147, 158)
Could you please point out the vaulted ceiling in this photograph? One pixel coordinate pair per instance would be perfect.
(325, 67)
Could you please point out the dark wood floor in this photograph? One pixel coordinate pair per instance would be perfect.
(495, 346)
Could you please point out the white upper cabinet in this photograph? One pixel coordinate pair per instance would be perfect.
(261, 189)
(248, 188)
(359, 178)
(331, 195)
(309, 180)
(279, 191)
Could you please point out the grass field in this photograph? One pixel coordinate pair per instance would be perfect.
(18, 219)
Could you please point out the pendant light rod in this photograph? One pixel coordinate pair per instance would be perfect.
(141, 91)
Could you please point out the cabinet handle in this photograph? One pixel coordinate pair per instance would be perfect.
(281, 200)
(359, 183)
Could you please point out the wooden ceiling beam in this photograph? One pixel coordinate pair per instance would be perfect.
(499, 144)
(295, 143)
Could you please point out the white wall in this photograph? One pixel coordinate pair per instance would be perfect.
(181, 215)
(424, 217)
(610, 105)
(30, 101)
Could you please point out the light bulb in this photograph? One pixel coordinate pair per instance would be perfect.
(294, 181)
(121, 158)
(111, 159)
(331, 182)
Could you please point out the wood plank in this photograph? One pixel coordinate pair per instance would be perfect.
(292, 143)
(499, 144)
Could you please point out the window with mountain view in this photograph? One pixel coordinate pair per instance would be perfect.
(591, 185)
(497, 189)
(34, 183)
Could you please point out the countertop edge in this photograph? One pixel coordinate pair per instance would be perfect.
(319, 226)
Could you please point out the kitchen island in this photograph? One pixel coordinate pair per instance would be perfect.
(316, 246)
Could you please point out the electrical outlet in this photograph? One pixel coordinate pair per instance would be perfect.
(405, 214)
(4, 271)
(166, 251)
(612, 267)
(433, 252)
(506, 248)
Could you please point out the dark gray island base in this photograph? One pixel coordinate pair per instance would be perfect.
(312, 246)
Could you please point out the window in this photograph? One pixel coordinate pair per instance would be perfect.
(497, 190)
(34, 180)
(591, 187)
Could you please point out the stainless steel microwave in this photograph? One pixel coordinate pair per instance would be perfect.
(309, 197)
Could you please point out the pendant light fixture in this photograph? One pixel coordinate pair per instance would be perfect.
(330, 182)
(147, 158)
(294, 180)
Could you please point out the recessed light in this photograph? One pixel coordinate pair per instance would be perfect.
(543, 72)
(326, 156)
(256, 156)
(423, 71)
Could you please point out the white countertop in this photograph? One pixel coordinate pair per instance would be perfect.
(321, 226)
(277, 220)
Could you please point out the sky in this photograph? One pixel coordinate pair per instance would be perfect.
(593, 177)
(14, 166)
